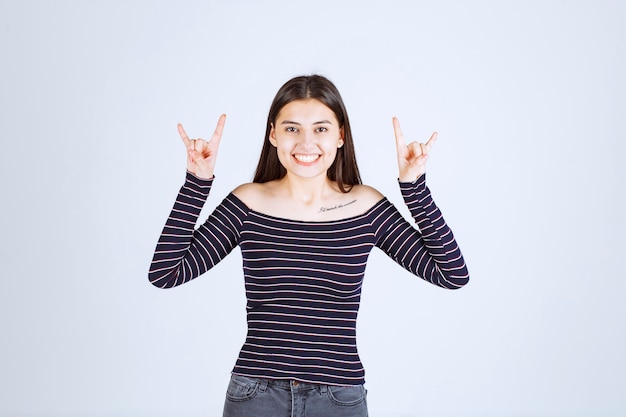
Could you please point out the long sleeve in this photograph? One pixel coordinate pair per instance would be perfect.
(430, 252)
(183, 252)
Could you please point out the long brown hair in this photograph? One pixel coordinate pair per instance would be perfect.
(344, 169)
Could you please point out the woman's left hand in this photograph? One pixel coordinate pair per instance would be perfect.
(412, 157)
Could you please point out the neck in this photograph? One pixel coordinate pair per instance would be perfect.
(308, 190)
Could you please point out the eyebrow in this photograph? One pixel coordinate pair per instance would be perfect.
(321, 122)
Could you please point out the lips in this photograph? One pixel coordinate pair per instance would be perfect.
(306, 159)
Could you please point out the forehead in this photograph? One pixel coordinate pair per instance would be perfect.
(306, 111)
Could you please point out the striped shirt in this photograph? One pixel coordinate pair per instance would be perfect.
(303, 278)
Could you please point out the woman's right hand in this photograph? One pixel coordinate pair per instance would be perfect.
(201, 154)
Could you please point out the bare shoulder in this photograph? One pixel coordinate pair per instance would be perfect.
(246, 189)
(260, 197)
(250, 192)
(366, 194)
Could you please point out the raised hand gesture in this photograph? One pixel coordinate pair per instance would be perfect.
(411, 158)
(201, 154)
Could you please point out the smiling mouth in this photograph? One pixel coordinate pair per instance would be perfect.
(307, 159)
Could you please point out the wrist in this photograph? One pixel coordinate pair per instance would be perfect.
(201, 176)
(411, 180)
(410, 177)
(205, 175)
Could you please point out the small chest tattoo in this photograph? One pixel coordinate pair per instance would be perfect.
(335, 207)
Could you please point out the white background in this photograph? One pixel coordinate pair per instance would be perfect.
(529, 98)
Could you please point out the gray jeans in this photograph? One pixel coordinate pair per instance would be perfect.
(284, 398)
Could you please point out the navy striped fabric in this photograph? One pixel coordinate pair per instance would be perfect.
(303, 279)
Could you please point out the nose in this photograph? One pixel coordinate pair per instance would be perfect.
(307, 138)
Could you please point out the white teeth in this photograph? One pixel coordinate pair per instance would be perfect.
(306, 158)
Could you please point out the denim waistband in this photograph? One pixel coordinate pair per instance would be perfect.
(286, 384)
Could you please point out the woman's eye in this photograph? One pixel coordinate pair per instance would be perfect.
(291, 129)
(322, 129)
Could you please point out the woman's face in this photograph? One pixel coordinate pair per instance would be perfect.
(306, 136)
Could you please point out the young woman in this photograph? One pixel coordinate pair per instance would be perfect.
(305, 227)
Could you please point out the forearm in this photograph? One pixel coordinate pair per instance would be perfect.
(440, 261)
(175, 259)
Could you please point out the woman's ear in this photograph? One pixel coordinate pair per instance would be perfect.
(272, 135)
(341, 136)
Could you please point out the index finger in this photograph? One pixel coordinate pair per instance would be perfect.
(400, 143)
(183, 135)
